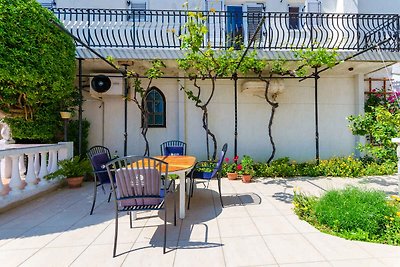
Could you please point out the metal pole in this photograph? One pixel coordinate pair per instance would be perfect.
(316, 115)
(65, 130)
(235, 78)
(126, 112)
(80, 111)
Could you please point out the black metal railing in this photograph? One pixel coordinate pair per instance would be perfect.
(161, 29)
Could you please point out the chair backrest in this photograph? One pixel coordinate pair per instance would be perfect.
(218, 167)
(173, 147)
(138, 180)
(99, 156)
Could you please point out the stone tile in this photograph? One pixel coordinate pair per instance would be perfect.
(390, 262)
(82, 236)
(380, 250)
(8, 235)
(273, 225)
(246, 251)
(336, 248)
(235, 227)
(307, 264)
(16, 257)
(262, 210)
(125, 234)
(144, 254)
(233, 212)
(36, 237)
(101, 255)
(292, 248)
(200, 253)
(300, 225)
(358, 263)
(201, 231)
(59, 256)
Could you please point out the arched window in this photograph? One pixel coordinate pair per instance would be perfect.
(155, 101)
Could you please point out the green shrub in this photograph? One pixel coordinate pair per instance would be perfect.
(37, 69)
(379, 125)
(73, 135)
(352, 213)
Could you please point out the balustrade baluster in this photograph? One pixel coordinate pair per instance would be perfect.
(1, 180)
(43, 166)
(22, 167)
(53, 163)
(37, 164)
(15, 182)
(30, 178)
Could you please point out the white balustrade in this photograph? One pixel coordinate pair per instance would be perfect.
(42, 160)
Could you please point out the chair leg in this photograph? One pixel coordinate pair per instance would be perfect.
(109, 197)
(130, 219)
(165, 226)
(174, 203)
(219, 188)
(115, 234)
(190, 192)
(94, 196)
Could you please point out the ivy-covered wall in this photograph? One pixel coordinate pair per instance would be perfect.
(37, 70)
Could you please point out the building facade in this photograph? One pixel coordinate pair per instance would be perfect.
(138, 31)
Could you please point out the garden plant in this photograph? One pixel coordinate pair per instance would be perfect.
(37, 70)
(352, 213)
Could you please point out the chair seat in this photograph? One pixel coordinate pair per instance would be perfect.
(143, 207)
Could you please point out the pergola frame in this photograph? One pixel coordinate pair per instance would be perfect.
(314, 75)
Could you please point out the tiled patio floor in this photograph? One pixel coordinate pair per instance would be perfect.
(256, 228)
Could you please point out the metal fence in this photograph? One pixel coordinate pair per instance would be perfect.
(161, 29)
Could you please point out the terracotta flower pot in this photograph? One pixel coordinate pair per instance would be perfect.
(246, 178)
(75, 182)
(232, 175)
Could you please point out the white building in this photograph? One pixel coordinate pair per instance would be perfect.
(137, 31)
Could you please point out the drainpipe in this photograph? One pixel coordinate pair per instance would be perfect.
(80, 111)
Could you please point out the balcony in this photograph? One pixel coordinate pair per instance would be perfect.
(107, 28)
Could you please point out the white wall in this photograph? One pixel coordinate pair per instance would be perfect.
(293, 128)
(379, 7)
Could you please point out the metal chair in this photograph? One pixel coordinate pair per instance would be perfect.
(173, 147)
(207, 170)
(139, 187)
(99, 156)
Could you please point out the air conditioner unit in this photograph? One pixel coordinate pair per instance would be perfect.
(106, 84)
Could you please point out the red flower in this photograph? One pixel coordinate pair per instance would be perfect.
(239, 167)
(227, 159)
(235, 158)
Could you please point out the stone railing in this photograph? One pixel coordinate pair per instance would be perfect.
(23, 167)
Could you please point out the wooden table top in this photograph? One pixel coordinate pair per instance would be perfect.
(178, 163)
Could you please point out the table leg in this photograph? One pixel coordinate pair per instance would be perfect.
(182, 198)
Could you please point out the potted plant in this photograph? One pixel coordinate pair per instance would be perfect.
(231, 168)
(245, 169)
(73, 170)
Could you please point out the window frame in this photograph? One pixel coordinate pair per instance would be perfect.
(163, 113)
(132, 9)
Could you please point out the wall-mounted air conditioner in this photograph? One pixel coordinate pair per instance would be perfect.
(106, 84)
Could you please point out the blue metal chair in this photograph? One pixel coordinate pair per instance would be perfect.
(99, 156)
(139, 187)
(173, 148)
(202, 171)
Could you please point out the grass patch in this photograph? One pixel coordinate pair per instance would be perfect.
(353, 213)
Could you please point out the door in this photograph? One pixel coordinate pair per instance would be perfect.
(234, 26)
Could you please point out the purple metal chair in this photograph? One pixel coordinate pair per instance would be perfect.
(99, 156)
(173, 147)
(200, 171)
(139, 187)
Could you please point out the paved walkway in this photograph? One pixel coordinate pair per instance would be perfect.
(256, 228)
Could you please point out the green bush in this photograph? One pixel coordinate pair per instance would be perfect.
(73, 135)
(379, 125)
(352, 213)
(37, 70)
